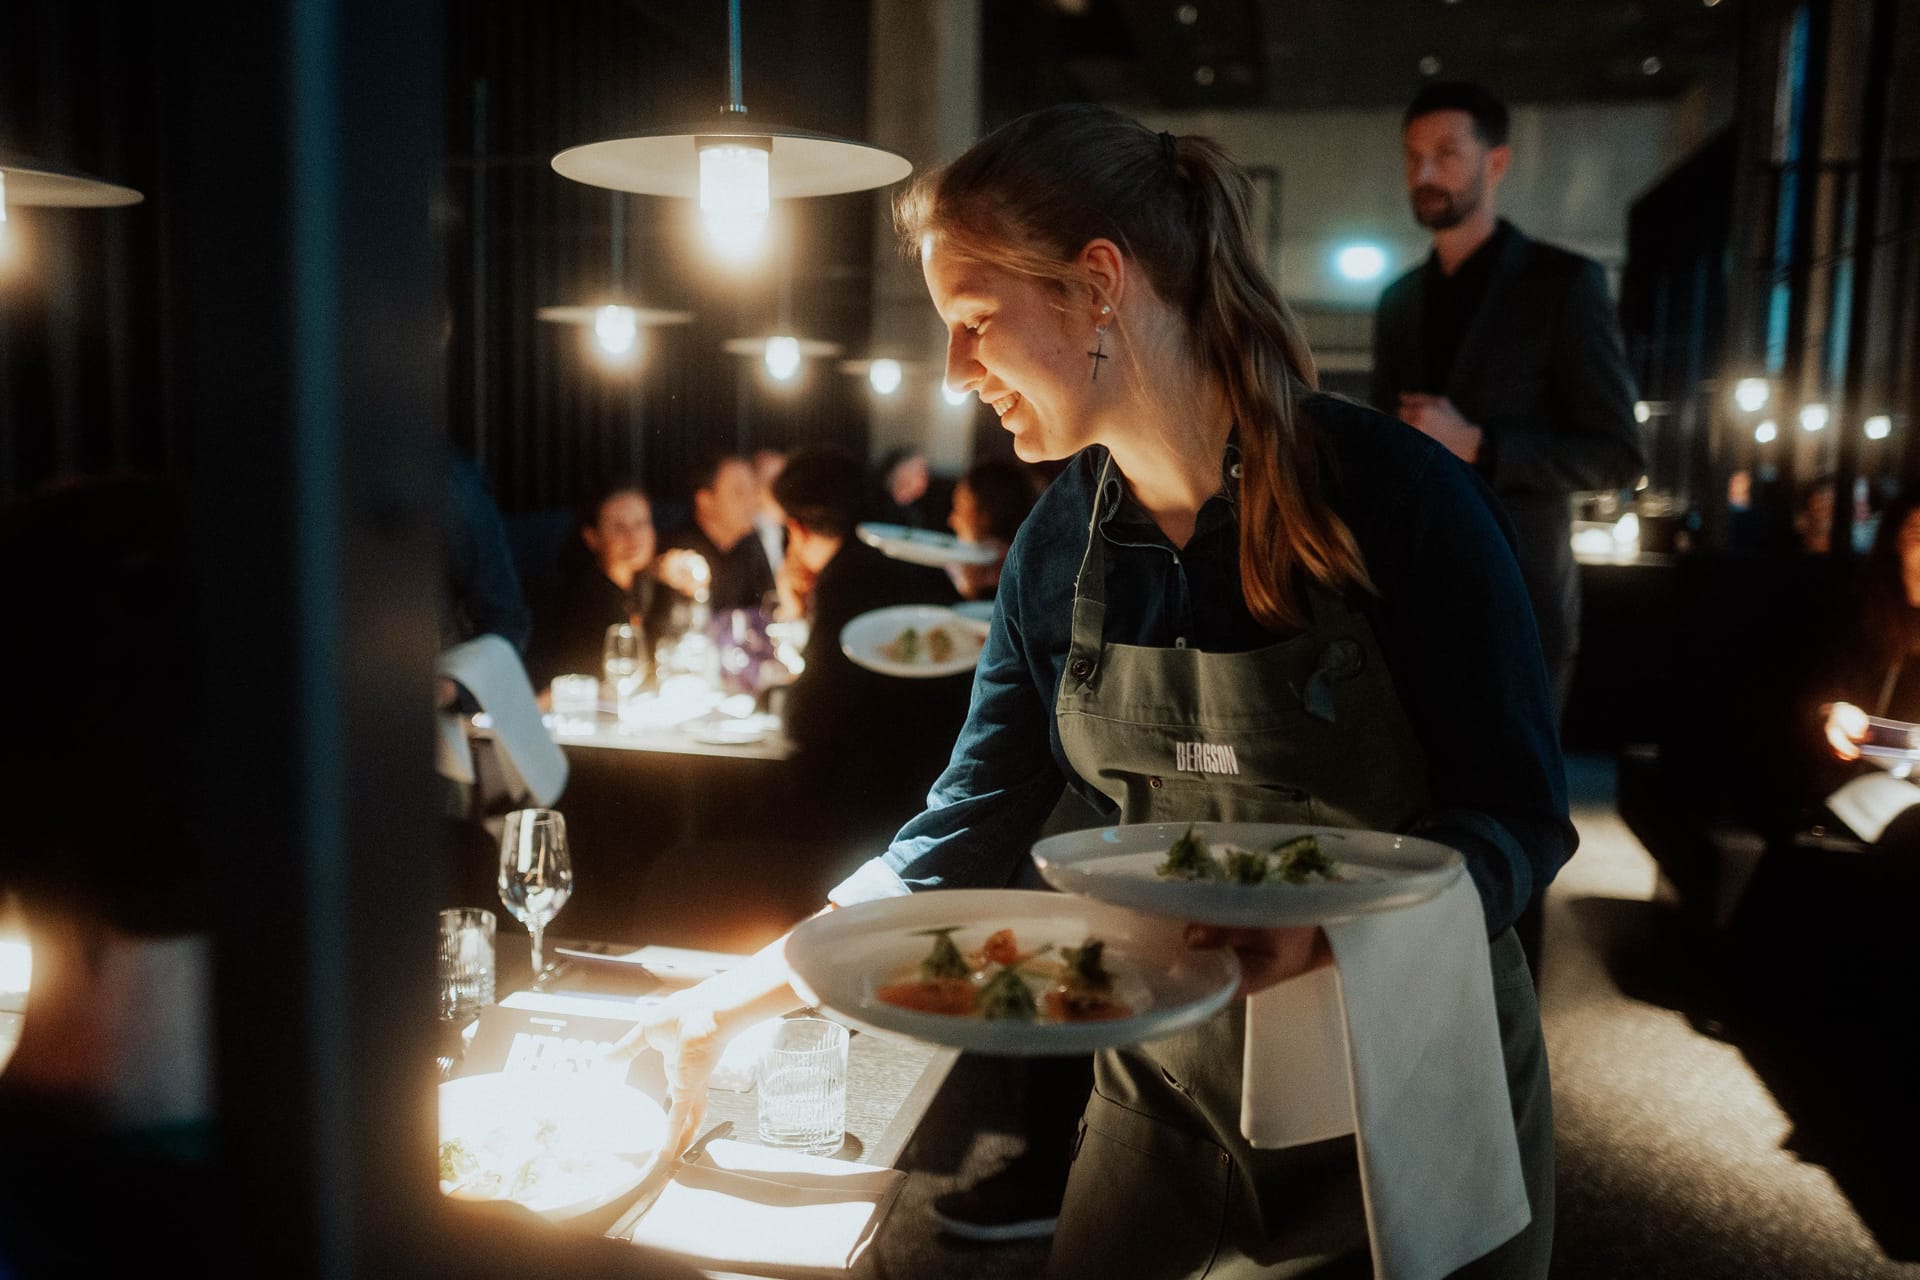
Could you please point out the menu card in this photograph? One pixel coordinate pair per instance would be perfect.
(535, 1032)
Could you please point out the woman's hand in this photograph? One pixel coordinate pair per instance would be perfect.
(794, 583)
(687, 1034)
(685, 571)
(1846, 729)
(1268, 957)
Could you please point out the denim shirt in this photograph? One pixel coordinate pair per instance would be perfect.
(1450, 612)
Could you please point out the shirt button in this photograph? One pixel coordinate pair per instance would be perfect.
(1155, 783)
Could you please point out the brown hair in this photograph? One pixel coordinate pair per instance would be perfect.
(1030, 195)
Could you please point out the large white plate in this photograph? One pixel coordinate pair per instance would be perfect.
(606, 1135)
(929, 547)
(864, 640)
(838, 959)
(1381, 872)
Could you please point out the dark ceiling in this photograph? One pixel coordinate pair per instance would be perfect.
(1305, 54)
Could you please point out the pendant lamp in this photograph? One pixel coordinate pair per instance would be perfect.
(734, 165)
(615, 318)
(27, 181)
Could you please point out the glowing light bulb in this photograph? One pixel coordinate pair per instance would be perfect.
(1642, 412)
(952, 396)
(735, 194)
(1766, 432)
(783, 358)
(1359, 262)
(1879, 427)
(1813, 417)
(616, 330)
(1752, 394)
(884, 375)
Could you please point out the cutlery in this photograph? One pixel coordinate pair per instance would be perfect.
(656, 1182)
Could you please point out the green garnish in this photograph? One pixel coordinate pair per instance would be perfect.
(1006, 996)
(945, 960)
(908, 645)
(1189, 859)
(1084, 968)
(456, 1162)
(1242, 866)
(1302, 858)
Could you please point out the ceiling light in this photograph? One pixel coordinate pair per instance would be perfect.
(1879, 427)
(733, 166)
(884, 376)
(1813, 417)
(1186, 15)
(1641, 413)
(1751, 394)
(1203, 76)
(1766, 432)
(1360, 262)
(1429, 66)
(781, 353)
(26, 181)
(1650, 67)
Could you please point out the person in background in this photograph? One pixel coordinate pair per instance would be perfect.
(726, 497)
(482, 587)
(1507, 351)
(1874, 669)
(988, 505)
(901, 479)
(109, 1099)
(1341, 588)
(609, 576)
(768, 524)
(878, 740)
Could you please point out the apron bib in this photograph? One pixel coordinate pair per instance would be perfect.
(1308, 729)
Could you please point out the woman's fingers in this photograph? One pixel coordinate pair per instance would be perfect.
(1846, 727)
(1267, 956)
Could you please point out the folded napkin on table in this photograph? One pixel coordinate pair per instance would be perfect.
(489, 669)
(1398, 1044)
(762, 1209)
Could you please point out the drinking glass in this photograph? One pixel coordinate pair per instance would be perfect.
(576, 702)
(803, 1086)
(536, 872)
(466, 961)
(621, 667)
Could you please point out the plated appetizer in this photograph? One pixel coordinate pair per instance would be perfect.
(1299, 860)
(529, 1159)
(999, 981)
(934, 645)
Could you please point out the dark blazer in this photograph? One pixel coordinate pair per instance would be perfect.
(1543, 372)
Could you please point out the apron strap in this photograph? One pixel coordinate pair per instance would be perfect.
(1090, 592)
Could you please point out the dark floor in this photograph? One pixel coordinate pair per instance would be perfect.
(1676, 1157)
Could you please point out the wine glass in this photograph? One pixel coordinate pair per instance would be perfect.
(620, 665)
(536, 872)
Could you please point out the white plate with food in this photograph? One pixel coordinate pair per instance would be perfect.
(928, 547)
(559, 1144)
(1251, 875)
(914, 640)
(1008, 971)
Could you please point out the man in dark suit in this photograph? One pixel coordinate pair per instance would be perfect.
(1506, 351)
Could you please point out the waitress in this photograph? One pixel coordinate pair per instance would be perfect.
(1322, 595)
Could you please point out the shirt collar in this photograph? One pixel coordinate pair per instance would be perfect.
(1123, 519)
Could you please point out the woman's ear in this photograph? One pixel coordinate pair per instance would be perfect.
(1104, 269)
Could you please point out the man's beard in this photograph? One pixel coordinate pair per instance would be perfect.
(1448, 210)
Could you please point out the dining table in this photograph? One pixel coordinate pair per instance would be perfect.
(891, 1082)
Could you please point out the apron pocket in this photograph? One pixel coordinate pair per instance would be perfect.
(1145, 1198)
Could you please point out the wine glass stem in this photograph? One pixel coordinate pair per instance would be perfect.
(539, 959)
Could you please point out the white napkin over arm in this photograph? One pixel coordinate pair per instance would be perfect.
(488, 668)
(1402, 1031)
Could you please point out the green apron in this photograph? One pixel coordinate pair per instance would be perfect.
(1308, 729)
